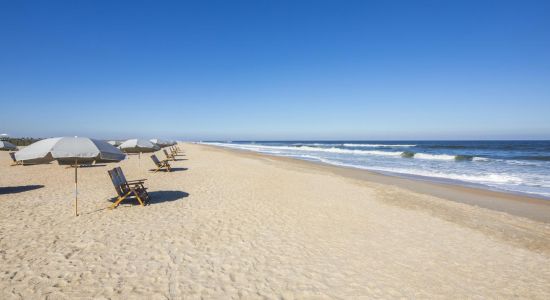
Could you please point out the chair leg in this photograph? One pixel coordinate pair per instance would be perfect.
(117, 202)
(138, 198)
(148, 199)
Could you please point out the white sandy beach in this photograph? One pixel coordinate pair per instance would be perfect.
(228, 225)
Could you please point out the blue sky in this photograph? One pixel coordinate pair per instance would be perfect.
(276, 69)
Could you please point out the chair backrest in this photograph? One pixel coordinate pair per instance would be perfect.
(166, 153)
(124, 186)
(121, 175)
(12, 155)
(116, 181)
(155, 160)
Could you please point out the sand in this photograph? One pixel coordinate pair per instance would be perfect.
(227, 225)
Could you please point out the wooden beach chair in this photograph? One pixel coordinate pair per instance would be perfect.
(127, 189)
(169, 156)
(15, 161)
(176, 150)
(161, 165)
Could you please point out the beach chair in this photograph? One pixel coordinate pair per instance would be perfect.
(127, 189)
(15, 161)
(169, 156)
(161, 165)
(176, 150)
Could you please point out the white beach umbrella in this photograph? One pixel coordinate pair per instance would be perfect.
(114, 143)
(161, 143)
(138, 146)
(5, 145)
(70, 150)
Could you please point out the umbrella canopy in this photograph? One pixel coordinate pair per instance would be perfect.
(67, 150)
(5, 145)
(115, 143)
(138, 146)
(162, 143)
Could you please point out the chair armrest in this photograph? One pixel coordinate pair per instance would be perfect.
(136, 185)
(137, 180)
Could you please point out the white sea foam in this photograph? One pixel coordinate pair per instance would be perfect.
(383, 153)
(434, 156)
(477, 158)
(307, 148)
(264, 148)
(523, 162)
(485, 178)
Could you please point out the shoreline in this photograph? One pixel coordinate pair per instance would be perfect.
(522, 205)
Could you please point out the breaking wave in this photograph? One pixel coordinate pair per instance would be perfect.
(336, 150)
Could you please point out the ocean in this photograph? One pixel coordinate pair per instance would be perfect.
(511, 166)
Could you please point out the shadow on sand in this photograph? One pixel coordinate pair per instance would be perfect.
(156, 197)
(166, 196)
(173, 170)
(19, 189)
(84, 166)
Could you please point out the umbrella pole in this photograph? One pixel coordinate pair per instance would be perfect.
(76, 187)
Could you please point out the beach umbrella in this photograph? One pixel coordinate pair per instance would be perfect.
(161, 143)
(5, 145)
(70, 151)
(114, 143)
(138, 146)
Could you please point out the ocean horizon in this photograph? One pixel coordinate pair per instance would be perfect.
(513, 166)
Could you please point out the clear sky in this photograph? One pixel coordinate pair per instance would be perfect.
(276, 69)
